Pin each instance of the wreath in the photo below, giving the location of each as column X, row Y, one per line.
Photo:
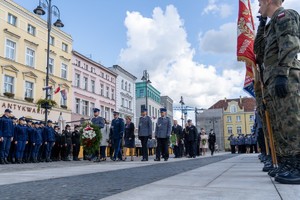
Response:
column 90, row 138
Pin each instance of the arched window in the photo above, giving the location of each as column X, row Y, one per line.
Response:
column 122, row 84
column 129, row 87
column 233, row 109
column 126, row 85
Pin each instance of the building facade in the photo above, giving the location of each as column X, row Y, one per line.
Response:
column 212, row 119
column 238, row 116
column 125, row 92
column 167, row 103
column 153, row 101
column 23, row 60
column 94, row 86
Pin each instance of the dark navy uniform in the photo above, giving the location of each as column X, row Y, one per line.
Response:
column 37, row 141
column 49, row 135
column 178, row 150
column 117, row 128
column 6, row 134
column 76, row 144
column 21, row 139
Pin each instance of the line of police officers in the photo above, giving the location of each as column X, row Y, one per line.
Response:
column 28, row 141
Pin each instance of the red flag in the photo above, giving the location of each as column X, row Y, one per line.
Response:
column 245, row 43
column 57, row 90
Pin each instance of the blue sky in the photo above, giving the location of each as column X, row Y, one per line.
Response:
column 188, row 46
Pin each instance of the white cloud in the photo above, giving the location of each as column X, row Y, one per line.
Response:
column 222, row 40
column 159, row 44
column 224, row 10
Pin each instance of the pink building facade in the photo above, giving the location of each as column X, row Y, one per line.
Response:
column 94, row 86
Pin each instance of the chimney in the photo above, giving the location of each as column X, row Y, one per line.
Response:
column 225, row 100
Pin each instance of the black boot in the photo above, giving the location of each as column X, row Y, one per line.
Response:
column 2, row 161
column 6, row 161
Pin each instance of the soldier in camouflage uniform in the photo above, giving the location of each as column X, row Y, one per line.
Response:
column 282, row 82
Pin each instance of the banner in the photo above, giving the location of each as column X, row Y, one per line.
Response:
column 245, row 43
column 64, row 94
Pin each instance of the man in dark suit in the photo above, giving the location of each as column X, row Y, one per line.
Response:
column 117, row 128
column 177, row 129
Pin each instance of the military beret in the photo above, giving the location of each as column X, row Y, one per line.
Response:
column 163, row 110
column 96, row 110
column 49, row 121
column 8, row 110
column 68, row 125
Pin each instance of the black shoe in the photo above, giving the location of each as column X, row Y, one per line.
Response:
column 2, row 161
column 144, row 160
column 156, row 159
column 166, row 159
column 289, row 177
column 268, row 166
column 279, row 170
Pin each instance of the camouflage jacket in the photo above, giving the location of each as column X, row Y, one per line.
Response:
column 282, row 43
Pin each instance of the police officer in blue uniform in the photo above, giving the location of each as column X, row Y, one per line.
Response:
column 21, row 139
column 162, row 134
column 117, row 128
column 6, row 135
column 37, row 140
column 27, row 151
column 49, row 136
column 145, row 132
column 98, row 120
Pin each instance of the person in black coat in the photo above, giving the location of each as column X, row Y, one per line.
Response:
column 191, row 137
column 212, row 141
column 56, row 150
column 67, row 142
column 177, row 129
column 129, row 138
column 76, row 142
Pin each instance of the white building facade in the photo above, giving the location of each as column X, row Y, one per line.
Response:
column 125, row 92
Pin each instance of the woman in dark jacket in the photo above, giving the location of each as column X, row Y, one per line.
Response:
column 129, row 138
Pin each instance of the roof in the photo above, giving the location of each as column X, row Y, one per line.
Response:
column 119, row 68
column 248, row 103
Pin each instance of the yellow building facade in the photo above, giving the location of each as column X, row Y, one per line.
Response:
column 238, row 116
column 23, row 60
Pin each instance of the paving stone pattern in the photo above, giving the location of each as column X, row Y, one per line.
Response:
column 104, row 184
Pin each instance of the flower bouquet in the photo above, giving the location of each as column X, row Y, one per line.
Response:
column 203, row 142
column 90, row 138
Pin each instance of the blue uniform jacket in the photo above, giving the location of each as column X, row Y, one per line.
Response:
column 117, row 127
column 37, row 136
column 21, row 133
column 49, row 134
column 6, row 127
column 98, row 121
column 30, row 132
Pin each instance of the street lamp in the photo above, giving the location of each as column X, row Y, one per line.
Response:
column 52, row 9
column 182, row 103
column 146, row 79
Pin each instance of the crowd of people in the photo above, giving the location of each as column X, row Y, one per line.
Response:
column 25, row 141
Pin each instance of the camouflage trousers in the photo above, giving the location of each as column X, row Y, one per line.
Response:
column 285, row 116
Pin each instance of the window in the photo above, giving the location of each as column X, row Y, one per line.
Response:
column 112, row 94
column 239, row 130
column 78, row 63
column 85, row 66
column 107, row 92
column 10, row 50
column 251, row 118
column 85, row 83
column 93, row 69
column 51, row 65
column 122, row 84
column 229, row 129
column 28, row 89
column 142, row 93
column 129, row 87
column 233, row 109
column 31, row 29
column 123, row 102
column 92, row 106
column 149, row 109
column 12, row 19
column 101, row 90
column 129, row 105
column 106, row 113
column 238, row 118
column 93, row 86
column 65, row 47
column 126, row 103
column 102, row 74
column 64, row 69
column 229, row 119
column 52, row 40
column 63, row 102
column 8, row 84
column 77, row 80
column 30, row 57
column 126, row 85
column 77, row 105
column 85, row 107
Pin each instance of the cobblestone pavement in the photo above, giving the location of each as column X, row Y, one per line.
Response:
column 103, row 184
